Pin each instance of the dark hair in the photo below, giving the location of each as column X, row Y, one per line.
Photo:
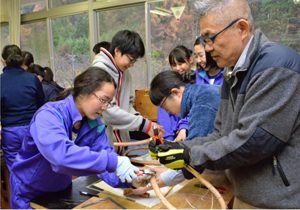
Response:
column 164, row 82
column 210, row 62
column 104, row 44
column 179, row 54
column 48, row 74
column 12, row 55
column 87, row 82
column 128, row 42
column 36, row 69
column 28, row 58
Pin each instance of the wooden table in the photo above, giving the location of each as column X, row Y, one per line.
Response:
column 192, row 195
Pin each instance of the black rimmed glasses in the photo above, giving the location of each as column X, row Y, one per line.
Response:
column 164, row 100
column 131, row 59
column 104, row 102
column 210, row 40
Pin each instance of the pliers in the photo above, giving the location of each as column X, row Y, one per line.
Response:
column 157, row 137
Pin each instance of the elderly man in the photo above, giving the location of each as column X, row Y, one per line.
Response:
column 257, row 129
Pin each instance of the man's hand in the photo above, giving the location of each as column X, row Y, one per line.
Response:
column 174, row 155
column 153, row 146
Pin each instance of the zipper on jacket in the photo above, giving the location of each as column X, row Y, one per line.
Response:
column 277, row 165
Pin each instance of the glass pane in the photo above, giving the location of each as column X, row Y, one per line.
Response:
column 56, row 3
column 35, row 40
column 168, row 31
column 4, row 39
column 29, row 6
column 131, row 18
column 279, row 20
column 71, row 47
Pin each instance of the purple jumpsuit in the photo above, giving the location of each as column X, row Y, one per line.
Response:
column 50, row 156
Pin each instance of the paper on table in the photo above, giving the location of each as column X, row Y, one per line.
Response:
column 148, row 202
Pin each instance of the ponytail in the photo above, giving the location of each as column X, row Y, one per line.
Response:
column 165, row 81
column 63, row 94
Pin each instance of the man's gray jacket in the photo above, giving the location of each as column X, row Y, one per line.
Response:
column 257, row 128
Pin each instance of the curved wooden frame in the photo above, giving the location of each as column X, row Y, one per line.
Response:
column 209, row 186
column 135, row 143
column 153, row 181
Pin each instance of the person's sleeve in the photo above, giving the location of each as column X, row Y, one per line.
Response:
column 102, row 143
column 163, row 119
column 202, row 119
column 122, row 120
column 172, row 177
column 265, row 123
column 64, row 156
column 183, row 123
column 112, row 179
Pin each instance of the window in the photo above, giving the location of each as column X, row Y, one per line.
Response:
column 34, row 39
column 167, row 31
column 71, row 47
column 29, row 6
column 132, row 18
column 56, row 3
column 4, row 39
column 279, row 20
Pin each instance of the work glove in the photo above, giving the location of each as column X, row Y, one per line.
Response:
column 125, row 170
column 174, row 155
column 152, row 149
column 153, row 145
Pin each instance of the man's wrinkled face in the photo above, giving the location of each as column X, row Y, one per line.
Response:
column 227, row 46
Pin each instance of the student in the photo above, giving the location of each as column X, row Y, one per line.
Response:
column 21, row 96
column 97, row 47
column 181, row 61
column 171, row 91
column 50, row 155
column 256, row 135
column 126, row 47
column 49, row 77
column 208, row 71
column 28, row 60
column 51, row 89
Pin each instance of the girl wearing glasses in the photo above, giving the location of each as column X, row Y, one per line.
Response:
column 51, row 155
column 176, row 95
column 172, row 91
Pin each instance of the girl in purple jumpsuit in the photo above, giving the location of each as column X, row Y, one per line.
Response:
column 51, row 155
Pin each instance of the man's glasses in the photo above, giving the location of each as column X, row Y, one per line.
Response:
column 210, row 40
column 131, row 59
column 104, row 102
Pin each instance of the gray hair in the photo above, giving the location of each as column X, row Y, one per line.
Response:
column 223, row 9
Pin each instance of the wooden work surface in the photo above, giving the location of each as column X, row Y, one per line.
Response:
column 192, row 195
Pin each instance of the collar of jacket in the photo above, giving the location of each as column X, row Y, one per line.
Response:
column 258, row 40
